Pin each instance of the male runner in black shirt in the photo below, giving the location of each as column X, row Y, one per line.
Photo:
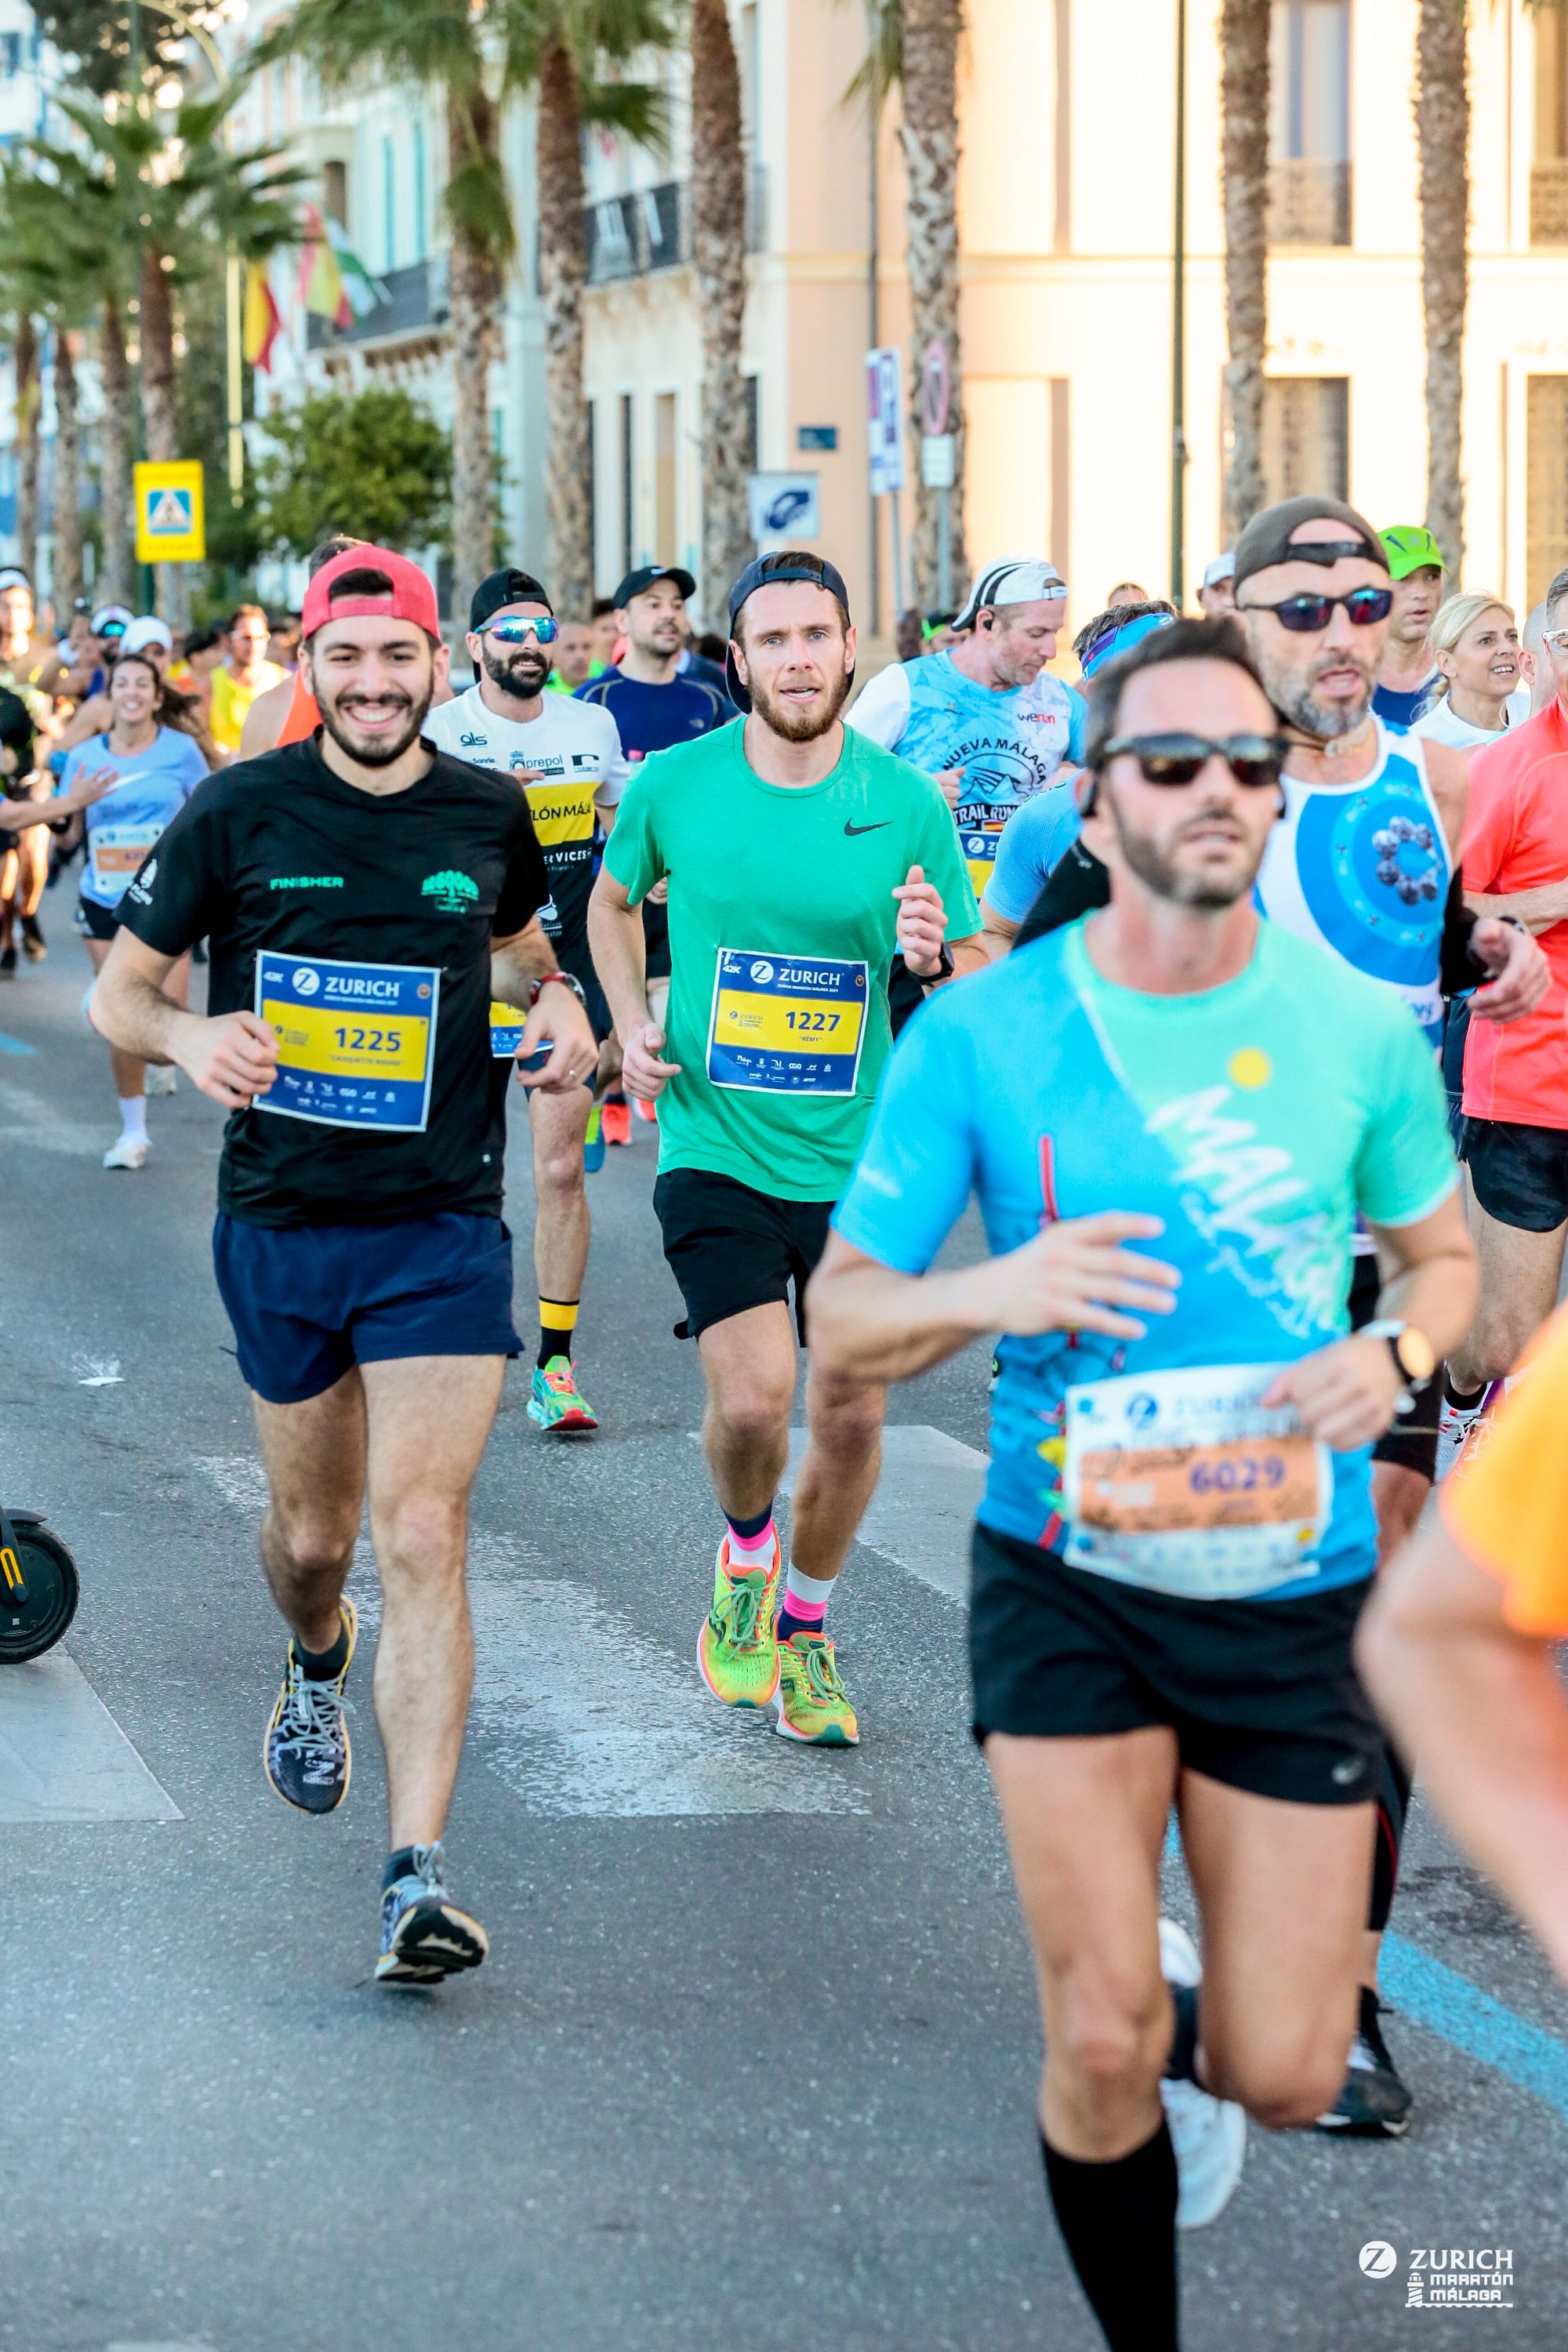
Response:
column 364, row 895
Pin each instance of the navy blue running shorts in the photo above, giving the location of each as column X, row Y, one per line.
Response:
column 309, row 1302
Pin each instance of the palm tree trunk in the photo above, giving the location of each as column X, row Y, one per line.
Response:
column 718, row 255
column 929, row 136
column 1443, row 129
column 1244, row 90
column 563, row 270
column 26, row 354
column 67, row 566
column 160, row 421
column 474, row 288
column 117, row 581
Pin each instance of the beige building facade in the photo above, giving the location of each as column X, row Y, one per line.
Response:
column 1066, row 199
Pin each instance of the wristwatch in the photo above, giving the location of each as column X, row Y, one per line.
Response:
column 546, row 980
column 1415, row 1357
column 944, row 969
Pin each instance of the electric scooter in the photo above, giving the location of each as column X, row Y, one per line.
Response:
column 39, row 1586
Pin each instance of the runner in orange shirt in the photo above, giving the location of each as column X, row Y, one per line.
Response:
column 1456, row 1648
column 1515, row 1136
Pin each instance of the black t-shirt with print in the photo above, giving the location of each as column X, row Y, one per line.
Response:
column 280, row 854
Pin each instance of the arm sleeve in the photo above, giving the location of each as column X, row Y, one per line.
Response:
column 632, row 852
column 175, row 897
column 525, row 886
column 1509, row 1506
column 881, row 709
column 937, row 852
column 1078, row 885
column 917, row 1168
column 1033, row 839
column 1405, row 1166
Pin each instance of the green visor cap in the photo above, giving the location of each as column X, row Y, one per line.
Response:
column 1410, row 546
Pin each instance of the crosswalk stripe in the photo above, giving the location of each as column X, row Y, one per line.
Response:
column 578, row 1711
column 63, row 1757
column 924, row 1506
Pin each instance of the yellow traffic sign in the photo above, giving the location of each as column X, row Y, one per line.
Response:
column 171, row 514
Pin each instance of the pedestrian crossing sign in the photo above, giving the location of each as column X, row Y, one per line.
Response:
column 171, row 520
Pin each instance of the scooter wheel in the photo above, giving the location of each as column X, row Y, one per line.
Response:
column 53, row 1591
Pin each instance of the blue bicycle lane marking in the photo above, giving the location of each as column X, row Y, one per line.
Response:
column 15, row 1045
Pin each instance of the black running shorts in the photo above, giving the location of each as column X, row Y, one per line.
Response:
column 730, row 1248
column 96, row 923
column 1261, row 1695
column 1410, row 1441
column 1518, row 1174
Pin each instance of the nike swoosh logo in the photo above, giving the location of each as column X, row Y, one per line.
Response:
column 853, row 829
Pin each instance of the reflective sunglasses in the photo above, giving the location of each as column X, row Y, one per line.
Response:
column 516, row 632
column 1307, row 613
column 1180, row 758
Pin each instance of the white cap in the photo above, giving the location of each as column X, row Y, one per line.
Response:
column 144, row 633
column 1222, row 568
column 1012, row 580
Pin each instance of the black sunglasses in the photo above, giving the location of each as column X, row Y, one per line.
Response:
column 1307, row 613
column 1179, row 759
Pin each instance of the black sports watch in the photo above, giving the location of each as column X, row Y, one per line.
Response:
column 944, row 969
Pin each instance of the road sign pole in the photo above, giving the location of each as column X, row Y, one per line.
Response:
column 900, row 607
column 945, row 549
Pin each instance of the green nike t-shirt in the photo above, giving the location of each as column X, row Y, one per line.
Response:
column 782, row 929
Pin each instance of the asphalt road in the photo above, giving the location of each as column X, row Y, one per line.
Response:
column 753, row 2061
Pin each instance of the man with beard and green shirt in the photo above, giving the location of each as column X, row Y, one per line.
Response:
column 799, row 855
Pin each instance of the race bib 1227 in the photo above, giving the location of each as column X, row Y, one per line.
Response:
column 786, row 1024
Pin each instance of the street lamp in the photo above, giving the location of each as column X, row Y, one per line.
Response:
column 215, row 58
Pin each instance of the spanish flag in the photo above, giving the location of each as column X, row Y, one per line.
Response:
column 262, row 322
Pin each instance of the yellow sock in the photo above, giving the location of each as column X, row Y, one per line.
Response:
column 557, row 1321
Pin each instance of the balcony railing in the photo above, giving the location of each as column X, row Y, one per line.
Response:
column 1308, row 202
column 650, row 229
column 416, row 300
column 1549, row 201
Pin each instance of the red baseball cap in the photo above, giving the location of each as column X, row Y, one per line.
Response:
column 412, row 597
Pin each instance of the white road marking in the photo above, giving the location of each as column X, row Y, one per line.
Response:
column 63, row 1757
column 578, row 1712
column 923, row 1509
column 583, row 1714
column 27, row 1118
column 91, row 1374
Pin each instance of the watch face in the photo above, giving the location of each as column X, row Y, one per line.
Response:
column 1416, row 1354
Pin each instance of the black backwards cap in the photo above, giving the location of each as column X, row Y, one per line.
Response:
column 508, row 586
column 763, row 574
column 1267, row 539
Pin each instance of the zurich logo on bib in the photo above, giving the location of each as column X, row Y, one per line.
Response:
column 306, row 981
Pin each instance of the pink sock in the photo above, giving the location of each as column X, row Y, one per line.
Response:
column 805, row 1606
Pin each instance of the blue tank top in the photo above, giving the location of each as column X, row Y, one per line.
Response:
column 1363, row 870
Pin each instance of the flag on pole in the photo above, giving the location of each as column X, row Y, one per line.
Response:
column 333, row 281
column 262, row 322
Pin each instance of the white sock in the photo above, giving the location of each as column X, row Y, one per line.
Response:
column 806, row 1597
column 133, row 1115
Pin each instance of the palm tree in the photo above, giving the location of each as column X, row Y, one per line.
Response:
column 475, row 58
column 1443, row 131
column 929, row 34
column 24, row 359
column 719, row 258
column 118, row 576
column 178, row 196
column 1243, row 93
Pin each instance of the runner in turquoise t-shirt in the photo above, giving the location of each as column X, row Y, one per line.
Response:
column 798, row 858
column 1170, row 1144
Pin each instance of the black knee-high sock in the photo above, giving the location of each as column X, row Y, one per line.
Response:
column 1393, row 1785
column 1119, row 2223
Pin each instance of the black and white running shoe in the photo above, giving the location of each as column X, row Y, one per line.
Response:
column 1375, row 2104
column 306, row 1750
column 423, row 1936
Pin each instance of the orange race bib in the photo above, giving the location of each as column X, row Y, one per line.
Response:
column 1185, row 1483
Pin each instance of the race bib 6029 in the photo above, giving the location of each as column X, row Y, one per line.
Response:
column 355, row 1041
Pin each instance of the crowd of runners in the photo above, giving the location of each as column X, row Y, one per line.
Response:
column 1223, row 961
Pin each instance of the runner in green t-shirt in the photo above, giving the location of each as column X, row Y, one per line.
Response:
column 799, row 858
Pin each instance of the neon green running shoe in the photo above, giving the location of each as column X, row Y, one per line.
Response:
column 557, row 1404
column 812, row 1703
column 738, row 1650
